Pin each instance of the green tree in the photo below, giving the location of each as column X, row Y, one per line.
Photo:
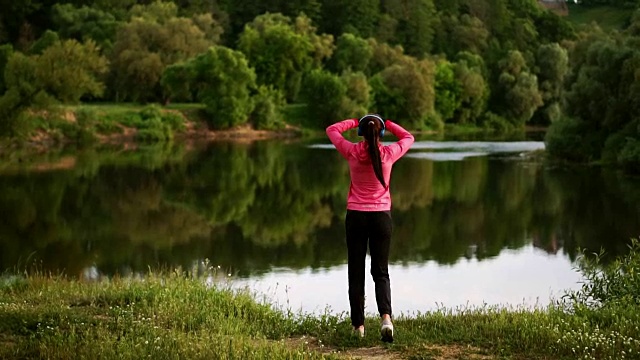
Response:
column 518, row 94
column 385, row 55
column 222, row 80
column 552, row 68
column 470, row 73
column 47, row 39
column 6, row 51
column 358, row 17
column 268, row 109
column 352, row 53
column 405, row 92
column 83, row 23
column 242, row 12
column 324, row 94
column 147, row 44
column 69, row 70
column 464, row 33
column 65, row 71
column 279, row 54
column 415, row 24
column 358, row 96
column 448, row 90
column 601, row 104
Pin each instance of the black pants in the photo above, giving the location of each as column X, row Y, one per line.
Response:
column 371, row 228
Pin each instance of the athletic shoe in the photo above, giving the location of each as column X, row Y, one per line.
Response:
column 358, row 331
column 387, row 330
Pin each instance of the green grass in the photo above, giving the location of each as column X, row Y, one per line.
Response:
column 607, row 17
column 177, row 315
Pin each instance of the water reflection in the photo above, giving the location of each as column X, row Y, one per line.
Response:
column 252, row 208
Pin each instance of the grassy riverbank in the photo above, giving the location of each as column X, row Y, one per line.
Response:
column 103, row 123
column 89, row 124
column 178, row 316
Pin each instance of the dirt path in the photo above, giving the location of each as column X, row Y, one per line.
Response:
column 422, row 351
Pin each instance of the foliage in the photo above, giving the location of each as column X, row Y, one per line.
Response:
column 65, row 71
column 461, row 33
column 552, row 68
column 278, row 51
column 629, row 155
column 153, row 39
column 84, row 23
column 47, row 39
column 385, row 55
column 6, row 51
column 518, row 95
column 324, row 94
column 358, row 97
column 602, row 98
column 405, row 92
column 268, row 109
column 448, row 91
column 357, row 17
column 414, row 27
column 474, row 88
column 352, row 53
column 567, row 139
column 222, row 80
column 607, row 285
column 69, row 70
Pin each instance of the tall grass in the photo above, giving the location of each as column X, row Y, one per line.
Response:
column 173, row 316
column 188, row 314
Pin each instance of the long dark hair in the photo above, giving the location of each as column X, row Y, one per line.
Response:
column 372, row 136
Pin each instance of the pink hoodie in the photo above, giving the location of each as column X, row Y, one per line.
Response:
column 365, row 192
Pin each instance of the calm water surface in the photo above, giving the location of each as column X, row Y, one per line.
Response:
column 475, row 222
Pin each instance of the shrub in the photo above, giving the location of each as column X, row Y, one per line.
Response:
column 496, row 122
column 152, row 111
column 629, row 156
column 174, row 120
column 565, row 140
column 267, row 113
column 324, row 94
column 433, row 121
column 610, row 284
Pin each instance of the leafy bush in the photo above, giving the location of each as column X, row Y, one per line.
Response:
column 405, row 92
column 496, row 122
column 86, row 117
column 152, row 111
column 324, row 93
column 152, row 135
column 223, row 81
column 433, row 121
column 174, row 120
column 629, row 156
column 611, row 284
column 267, row 113
column 565, row 140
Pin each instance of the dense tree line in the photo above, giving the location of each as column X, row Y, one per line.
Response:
column 424, row 62
column 499, row 64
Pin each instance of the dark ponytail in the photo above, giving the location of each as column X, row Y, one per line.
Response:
column 372, row 135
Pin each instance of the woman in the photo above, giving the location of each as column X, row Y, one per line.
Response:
column 368, row 220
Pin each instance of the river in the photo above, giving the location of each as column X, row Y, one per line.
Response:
column 475, row 222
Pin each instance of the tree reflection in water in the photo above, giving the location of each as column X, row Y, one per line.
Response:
column 253, row 207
